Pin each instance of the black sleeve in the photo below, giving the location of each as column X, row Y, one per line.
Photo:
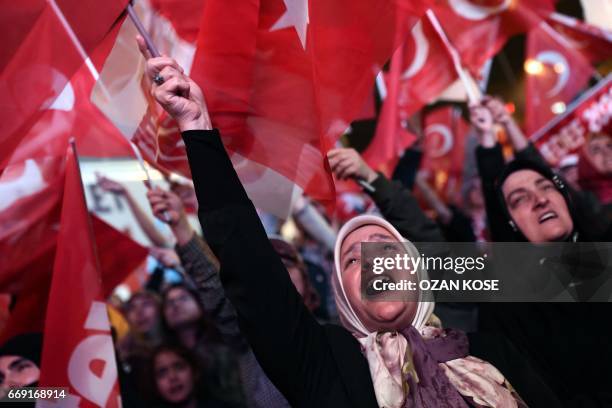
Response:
column 407, row 167
column 531, row 153
column 459, row 229
column 288, row 342
column 399, row 206
column 490, row 165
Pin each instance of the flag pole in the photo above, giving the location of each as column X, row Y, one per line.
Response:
column 471, row 94
column 148, row 182
column 142, row 31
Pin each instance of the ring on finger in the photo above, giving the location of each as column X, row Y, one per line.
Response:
column 158, row 79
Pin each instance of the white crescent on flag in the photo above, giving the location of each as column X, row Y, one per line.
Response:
column 447, row 139
column 563, row 74
column 471, row 11
column 30, row 182
column 421, row 51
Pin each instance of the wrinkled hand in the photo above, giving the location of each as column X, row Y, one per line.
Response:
column 165, row 256
column 498, row 109
column 109, row 185
column 347, row 163
column 179, row 95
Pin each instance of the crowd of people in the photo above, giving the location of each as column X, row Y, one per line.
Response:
column 251, row 319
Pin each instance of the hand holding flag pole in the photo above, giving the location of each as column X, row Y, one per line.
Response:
column 155, row 53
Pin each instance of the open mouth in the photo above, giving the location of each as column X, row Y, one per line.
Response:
column 547, row 216
column 382, row 280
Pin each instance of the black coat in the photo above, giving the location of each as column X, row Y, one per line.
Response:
column 567, row 343
column 313, row 365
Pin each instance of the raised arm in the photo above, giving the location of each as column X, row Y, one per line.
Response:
column 490, row 161
column 288, row 342
column 396, row 203
column 145, row 223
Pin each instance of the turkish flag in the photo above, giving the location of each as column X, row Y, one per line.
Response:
column 119, row 257
column 78, row 350
column 559, row 72
column 284, row 78
column 444, row 150
column 45, row 43
column 593, row 42
column 391, row 137
column 427, row 69
column 479, row 29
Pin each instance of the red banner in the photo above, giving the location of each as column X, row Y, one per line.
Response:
column 567, row 133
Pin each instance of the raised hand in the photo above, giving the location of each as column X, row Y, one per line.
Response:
column 347, row 163
column 482, row 120
column 168, row 207
column 109, row 185
column 498, row 109
column 178, row 94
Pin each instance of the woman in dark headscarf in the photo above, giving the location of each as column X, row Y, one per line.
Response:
column 559, row 338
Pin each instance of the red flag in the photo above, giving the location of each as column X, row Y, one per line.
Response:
column 47, row 42
column 283, row 79
column 593, row 42
column 556, row 73
column 119, row 257
column 567, row 133
column 444, row 149
column 391, row 137
column 78, row 350
column 479, row 29
column 428, row 69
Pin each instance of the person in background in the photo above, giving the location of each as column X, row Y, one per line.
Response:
column 595, row 170
column 526, row 201
column 188, row 324
column 153, row 234
column 20, row 362
column 297, row 271
column 491, row 164
column 174, row 379
column 202, row 268
column 143, row 313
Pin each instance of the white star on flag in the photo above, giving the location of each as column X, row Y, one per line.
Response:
column 296, row 16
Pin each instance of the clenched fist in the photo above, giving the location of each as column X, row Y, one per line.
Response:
column 178, row 94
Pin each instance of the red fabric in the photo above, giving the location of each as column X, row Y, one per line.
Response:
column 444, row 150
column 593, row 42
column 77, row 331
column 591, row 179
column 570, row 133
column 565, row 73
column 479, row 29
column 40, row 57
column 428, row 69
column 391, row 137
column 282, row 89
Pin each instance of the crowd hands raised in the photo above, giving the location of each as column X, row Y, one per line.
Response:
column 243, row 320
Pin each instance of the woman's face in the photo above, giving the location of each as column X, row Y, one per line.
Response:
column 375, row 315
column 142, row 314
column 599, row 152
column 17, row 371
column 174, row 377
column 181, row 308
column 537, row 207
